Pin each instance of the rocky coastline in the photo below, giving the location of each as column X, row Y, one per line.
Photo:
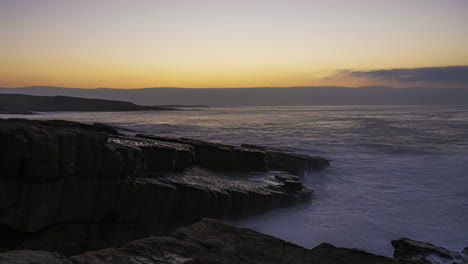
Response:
column 85, row 192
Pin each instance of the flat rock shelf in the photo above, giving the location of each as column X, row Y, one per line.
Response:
column 71, row 187
column 80, row 193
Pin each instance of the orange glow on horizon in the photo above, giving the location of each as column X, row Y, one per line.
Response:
column 216, row 44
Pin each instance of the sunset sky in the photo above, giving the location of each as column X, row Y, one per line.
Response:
column 243, row 43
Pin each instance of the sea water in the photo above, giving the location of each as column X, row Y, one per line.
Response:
column 396, row 171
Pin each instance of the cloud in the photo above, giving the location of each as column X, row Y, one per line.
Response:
column 449, row 74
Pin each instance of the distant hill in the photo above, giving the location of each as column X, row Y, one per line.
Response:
column 323, row 95
column 24, row 104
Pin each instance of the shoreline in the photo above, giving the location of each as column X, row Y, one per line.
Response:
column 69, row 172
column 59, row 172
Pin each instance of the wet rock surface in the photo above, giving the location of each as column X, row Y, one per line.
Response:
column 212, row 241
column 428, row 253
column 248, row 157
column 71, row 188
column 89, row 181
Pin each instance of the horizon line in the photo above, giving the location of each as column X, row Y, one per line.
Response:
column 250, row 87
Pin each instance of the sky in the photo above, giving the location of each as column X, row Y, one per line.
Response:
column 243, row 43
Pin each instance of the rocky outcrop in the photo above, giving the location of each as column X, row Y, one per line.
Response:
column 248, row 157
column 62, row 181
column 295, row 163
column 428, row 253
column 211, row 242
column 327, row 253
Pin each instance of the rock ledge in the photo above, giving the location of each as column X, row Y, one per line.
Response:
column 71, row 187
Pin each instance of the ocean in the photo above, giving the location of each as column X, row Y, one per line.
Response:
column 396, row 171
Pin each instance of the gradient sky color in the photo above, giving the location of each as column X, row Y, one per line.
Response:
column 217, row 43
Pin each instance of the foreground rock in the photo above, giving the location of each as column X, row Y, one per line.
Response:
column 71, row 187
column 208, row 242
column 32, row 257
column 213, row 241
column 412, row 249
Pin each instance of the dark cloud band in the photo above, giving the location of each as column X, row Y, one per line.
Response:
column 449, row 74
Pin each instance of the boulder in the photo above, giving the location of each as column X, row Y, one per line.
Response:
column 428, row 253
column 330, row 254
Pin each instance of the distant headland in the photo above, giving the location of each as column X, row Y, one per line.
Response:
column 262, row 96
column 28, row 104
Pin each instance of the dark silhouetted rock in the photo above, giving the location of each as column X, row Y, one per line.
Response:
column 412, row 249
column 219, row 156
column 327, row 253
column 248, row 157
column 212, row 241
column 32, row 257
column 295, row 163
column 58, row 173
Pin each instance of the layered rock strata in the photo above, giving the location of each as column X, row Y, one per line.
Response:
column 64, row 182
